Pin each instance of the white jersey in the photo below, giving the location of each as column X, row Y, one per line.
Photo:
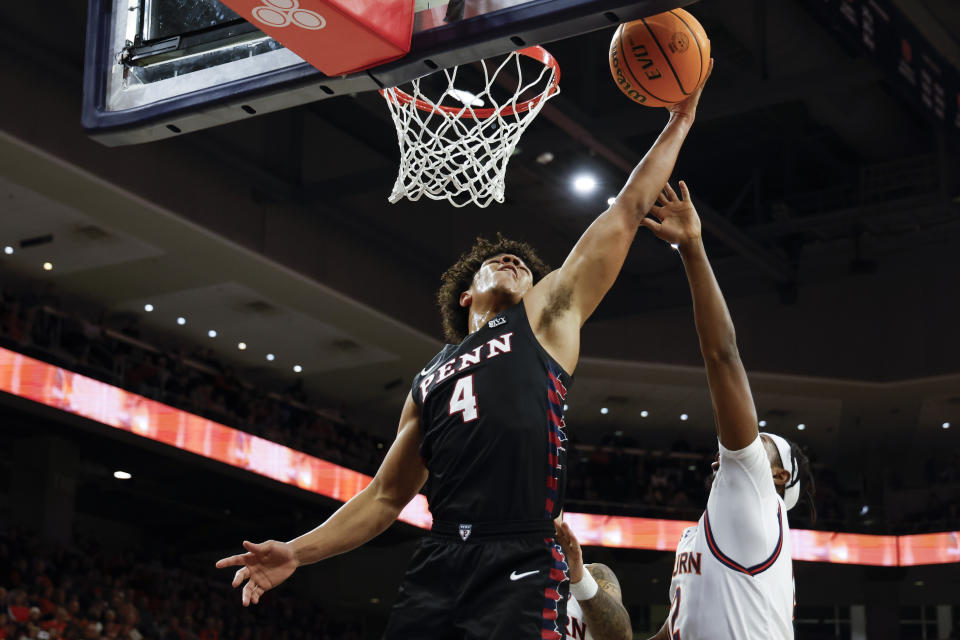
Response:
column 733, row 574
column 576, row 624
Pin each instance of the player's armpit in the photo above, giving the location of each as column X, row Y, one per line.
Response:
column 604, row 613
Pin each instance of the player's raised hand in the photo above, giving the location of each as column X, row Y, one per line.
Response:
column 571, row 549
column 676, row 220
column 688, row 107
column 262, row 567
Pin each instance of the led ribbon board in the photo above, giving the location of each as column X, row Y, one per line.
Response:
column 71, row 392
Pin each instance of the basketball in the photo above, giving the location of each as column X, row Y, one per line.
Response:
column 660, row 60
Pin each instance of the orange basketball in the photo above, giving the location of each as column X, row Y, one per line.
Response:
column 660, row 60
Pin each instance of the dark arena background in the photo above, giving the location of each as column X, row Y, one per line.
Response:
column 180, row 277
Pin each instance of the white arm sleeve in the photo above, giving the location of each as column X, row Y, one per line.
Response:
column 743, row 502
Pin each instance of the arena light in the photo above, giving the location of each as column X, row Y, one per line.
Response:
column 8, row 250
column 148, row 307
column 604, row 410
column 945, row 425
column 297, row 368
column 763, row 423
column 271, row 357
column 545, row 158
column 122, row 475
column 801, row 427
column 48, row 266
column 242, row 346
column 181, row 321
column 212, row 333
column 644, row 413
column 584, row 183
column 684, row 416
column 864, row 510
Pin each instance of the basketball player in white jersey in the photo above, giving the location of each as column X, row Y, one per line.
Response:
column 595, row 608
column 733, row 574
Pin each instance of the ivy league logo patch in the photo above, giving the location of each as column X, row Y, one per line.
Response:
column 465, row 531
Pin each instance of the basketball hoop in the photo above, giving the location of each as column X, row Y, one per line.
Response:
column 460, row 153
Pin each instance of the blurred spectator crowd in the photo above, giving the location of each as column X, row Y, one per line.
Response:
column 83, row 592
column 613, row 476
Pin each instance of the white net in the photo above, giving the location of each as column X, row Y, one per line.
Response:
column 460, row 153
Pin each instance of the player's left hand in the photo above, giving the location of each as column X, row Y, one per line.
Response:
column 676, row 220
column 571, row 549
column 688, row 108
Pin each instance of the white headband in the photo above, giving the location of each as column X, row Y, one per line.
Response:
column 791, row 491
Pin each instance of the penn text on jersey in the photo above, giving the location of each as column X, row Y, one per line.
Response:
column 491, row 349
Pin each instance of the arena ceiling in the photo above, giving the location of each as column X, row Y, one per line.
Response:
column 831, row 205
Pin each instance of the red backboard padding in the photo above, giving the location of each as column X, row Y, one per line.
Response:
column 335, row 36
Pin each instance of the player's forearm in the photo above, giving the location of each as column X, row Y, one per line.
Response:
column 606, row 617
column 718, row 339
column 648, row 178
column 358, row 521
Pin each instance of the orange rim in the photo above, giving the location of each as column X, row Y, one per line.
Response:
column 538, row 53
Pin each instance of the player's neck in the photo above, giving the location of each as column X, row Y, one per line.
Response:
column 483, row 312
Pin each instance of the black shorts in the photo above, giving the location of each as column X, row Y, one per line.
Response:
column 488, row 587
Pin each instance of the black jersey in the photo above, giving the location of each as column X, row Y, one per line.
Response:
column 492, row 420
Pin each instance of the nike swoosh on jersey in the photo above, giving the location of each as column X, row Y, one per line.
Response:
column 519, row 576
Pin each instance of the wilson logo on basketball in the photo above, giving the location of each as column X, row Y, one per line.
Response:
column 283, row 13
column 622, row 81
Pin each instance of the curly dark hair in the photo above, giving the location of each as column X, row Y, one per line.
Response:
column 459, row 277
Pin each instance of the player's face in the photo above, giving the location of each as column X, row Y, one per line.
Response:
column 503, row 274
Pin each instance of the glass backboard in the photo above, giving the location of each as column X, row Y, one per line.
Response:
column 160, row 68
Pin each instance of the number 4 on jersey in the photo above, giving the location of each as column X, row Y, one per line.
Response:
column 463, row 401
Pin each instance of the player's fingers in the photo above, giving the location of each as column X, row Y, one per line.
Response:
column 256, row 595
column 232, row 561
column 573, row 538
column 671, row 194
column 651, row 224
column 251, row 547
column 662, row 199
column 246, row 593
column 239, row 577
column 684, row 191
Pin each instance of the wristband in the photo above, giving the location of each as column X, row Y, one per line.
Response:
column 586, row 588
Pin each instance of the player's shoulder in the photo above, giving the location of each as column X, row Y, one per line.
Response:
column 437, row 359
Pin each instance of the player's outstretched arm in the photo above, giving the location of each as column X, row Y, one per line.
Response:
column 577, row 287
column 366, row 515
column 604, row 613
column 735, row 413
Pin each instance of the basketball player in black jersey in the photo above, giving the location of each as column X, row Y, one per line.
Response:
column 482, row 433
